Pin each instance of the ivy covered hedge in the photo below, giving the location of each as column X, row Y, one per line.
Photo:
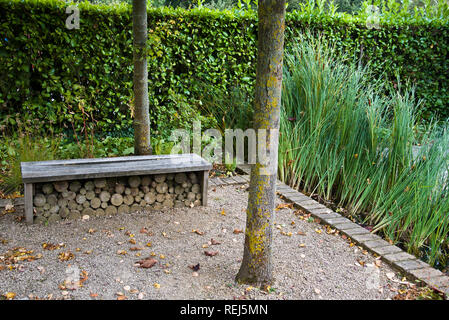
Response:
column 50, row 72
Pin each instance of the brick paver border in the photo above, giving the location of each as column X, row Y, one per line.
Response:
column 393, row 255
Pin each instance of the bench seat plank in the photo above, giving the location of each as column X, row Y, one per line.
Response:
column 59, row 170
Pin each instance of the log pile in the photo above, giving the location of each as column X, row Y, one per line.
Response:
column 109, row 196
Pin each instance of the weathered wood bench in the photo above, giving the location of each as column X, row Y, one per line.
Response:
column 148, row 179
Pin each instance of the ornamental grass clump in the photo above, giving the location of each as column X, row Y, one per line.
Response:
column 352, row 140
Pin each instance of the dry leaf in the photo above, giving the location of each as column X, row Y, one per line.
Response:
column 65, row 256
column 144, row 230
column 195, row 267
column 214, row 242
column 237, row 231
column 210, row 253
column 147, row 263
column 10, row 295
column 198, row 232
column 284, row 205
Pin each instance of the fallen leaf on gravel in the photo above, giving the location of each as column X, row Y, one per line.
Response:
column 195, row 267
column 157, row 285
column 126, row 288
column 94, row 295
column 135, row 249
column 362, row 263
column 162, row 256
column 121, row 298
column 237, row 231
column 92, row 231
column 84, row 276
column 318, row 231
column 284, row 205
column 88, row 252
column 377, row 262
column 143, row 230
column 66, row 256
column 301, row 233
column 147, row 263
column 204, row 246
column 214, row 242
column 302, row 245
column 10, row 295
column 50, row 246
column 149, row 244
column 41, row 269
column 210, row 253
column 122, row 252
column 223, row 213
column 132, row 241
column 198, row 232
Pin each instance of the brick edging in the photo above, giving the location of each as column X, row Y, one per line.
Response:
column 392, row 255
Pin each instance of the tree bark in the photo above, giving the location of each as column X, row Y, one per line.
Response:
column 142, row 143
column 256, row 267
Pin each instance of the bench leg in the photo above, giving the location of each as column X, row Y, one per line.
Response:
column 29, row 203
column 204, row 184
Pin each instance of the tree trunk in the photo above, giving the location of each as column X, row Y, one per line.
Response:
column 256, row 268
column 142, row 143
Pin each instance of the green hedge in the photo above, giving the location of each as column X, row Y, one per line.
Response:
column 49, row 72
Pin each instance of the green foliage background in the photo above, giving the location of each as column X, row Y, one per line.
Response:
column 48, row 71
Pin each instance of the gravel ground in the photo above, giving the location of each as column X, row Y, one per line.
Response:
column 307, row 264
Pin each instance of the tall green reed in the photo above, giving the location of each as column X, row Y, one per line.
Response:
column 349, row 138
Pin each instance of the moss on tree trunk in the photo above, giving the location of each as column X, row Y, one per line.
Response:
column 256, row 265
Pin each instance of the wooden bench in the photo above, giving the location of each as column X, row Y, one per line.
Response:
column 62, row 174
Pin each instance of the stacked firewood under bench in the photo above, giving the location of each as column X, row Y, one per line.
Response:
column 70, row 189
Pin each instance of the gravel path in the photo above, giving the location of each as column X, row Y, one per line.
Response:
column 309, row 263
